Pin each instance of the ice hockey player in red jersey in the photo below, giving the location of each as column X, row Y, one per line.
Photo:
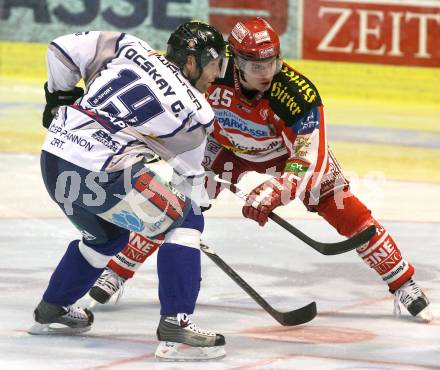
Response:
column 270, row 119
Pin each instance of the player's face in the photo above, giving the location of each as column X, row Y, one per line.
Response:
column 210, row 72
column 258, row 75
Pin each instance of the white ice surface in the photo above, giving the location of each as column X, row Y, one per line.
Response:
column 354, row 328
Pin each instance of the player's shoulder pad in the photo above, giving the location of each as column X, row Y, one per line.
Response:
column 291, row 94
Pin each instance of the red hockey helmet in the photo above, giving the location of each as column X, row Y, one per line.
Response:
column 254, row 39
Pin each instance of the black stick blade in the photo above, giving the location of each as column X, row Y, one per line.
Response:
column 328, row 249
column 296, row 317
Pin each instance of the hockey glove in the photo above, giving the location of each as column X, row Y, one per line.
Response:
column 56, row 99
column 267, row 196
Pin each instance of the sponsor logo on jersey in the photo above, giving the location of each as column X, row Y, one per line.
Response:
column 286, row 97
column 333, row 179
column 264, row 113
column 128, row 220
column 308, row 92
column 213, row 147
column 230, row 120
column 206, row 161
column 301, row 145
column 309, row 123
column 297, row 168
column 239, row 148
column 107, row 140
column 65, row 135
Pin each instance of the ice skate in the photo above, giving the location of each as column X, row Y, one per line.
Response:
column 106, row 286
column 54, row 319
column 414, row 300
column 181, row 340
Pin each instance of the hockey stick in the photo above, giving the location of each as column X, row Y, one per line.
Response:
column 328, row 249
column 291, row 318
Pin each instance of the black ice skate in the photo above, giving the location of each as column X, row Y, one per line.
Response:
column 108, row 284
column 54, row 319
column 181, row 340
column 414, row 300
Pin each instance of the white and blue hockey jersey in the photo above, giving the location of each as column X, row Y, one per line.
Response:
column 136, row 102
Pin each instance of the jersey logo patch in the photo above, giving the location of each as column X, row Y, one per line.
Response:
column 231, row 121
column 128, row 221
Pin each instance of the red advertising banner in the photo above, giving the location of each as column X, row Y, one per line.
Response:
column 220, row 13
column 372, row 31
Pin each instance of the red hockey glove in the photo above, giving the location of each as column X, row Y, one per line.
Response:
column 268, row 196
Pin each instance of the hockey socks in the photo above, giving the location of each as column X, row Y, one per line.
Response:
column 79, row 268
column 179, row 272
column 382, row 254
column 72, row 278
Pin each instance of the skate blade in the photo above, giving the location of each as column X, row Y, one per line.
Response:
column 425, row 315
column 54, row 329
column 171, row 351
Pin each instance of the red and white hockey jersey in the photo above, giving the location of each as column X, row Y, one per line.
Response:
column 287, row 118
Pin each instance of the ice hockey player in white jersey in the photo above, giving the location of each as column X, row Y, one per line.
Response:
column 138, row 104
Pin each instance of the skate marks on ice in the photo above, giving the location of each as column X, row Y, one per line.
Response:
column 354, row 328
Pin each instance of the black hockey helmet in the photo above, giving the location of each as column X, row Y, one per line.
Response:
column 198, row 39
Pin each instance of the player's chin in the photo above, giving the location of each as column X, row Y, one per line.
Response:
column 264, row 86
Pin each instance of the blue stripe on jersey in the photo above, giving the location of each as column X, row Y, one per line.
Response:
column 63, row 52
column 83, row 125
column 184, row 122
column 119, row 40
column 119, row 53
column 192, row 128
column 198, row 124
